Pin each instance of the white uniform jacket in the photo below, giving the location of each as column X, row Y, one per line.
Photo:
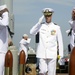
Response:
column 4, row 21
column 72, row 24
column 72, row 39
column 24, row 45
column 49, row 35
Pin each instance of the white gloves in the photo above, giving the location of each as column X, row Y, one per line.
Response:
column 40, row 20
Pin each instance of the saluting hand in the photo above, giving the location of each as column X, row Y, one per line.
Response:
column 41, row 19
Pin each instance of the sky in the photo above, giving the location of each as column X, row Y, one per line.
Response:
column 28, row 12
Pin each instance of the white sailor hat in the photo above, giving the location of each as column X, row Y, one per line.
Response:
column 48, row 11
column 25, row 35
column 3, row 7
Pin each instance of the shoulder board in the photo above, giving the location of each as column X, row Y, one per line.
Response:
column 55, row 24
column 43, row 23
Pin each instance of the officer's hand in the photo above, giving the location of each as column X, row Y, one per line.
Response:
column 40, row 20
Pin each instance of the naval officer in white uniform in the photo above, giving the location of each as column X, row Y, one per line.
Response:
column 4, row 21
column 49, row 38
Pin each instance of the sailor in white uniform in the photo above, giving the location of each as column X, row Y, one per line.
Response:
column 4, row 21
column 24, row 44
column 72, row 30
column 49, row 38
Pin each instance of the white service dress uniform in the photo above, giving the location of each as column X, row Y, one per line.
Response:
column 49, row 35
column 72, row 40
column 24, row 45
column 4, row 21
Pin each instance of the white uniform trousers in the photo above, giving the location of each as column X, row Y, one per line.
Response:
column 2, row 61
column 47, row 65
